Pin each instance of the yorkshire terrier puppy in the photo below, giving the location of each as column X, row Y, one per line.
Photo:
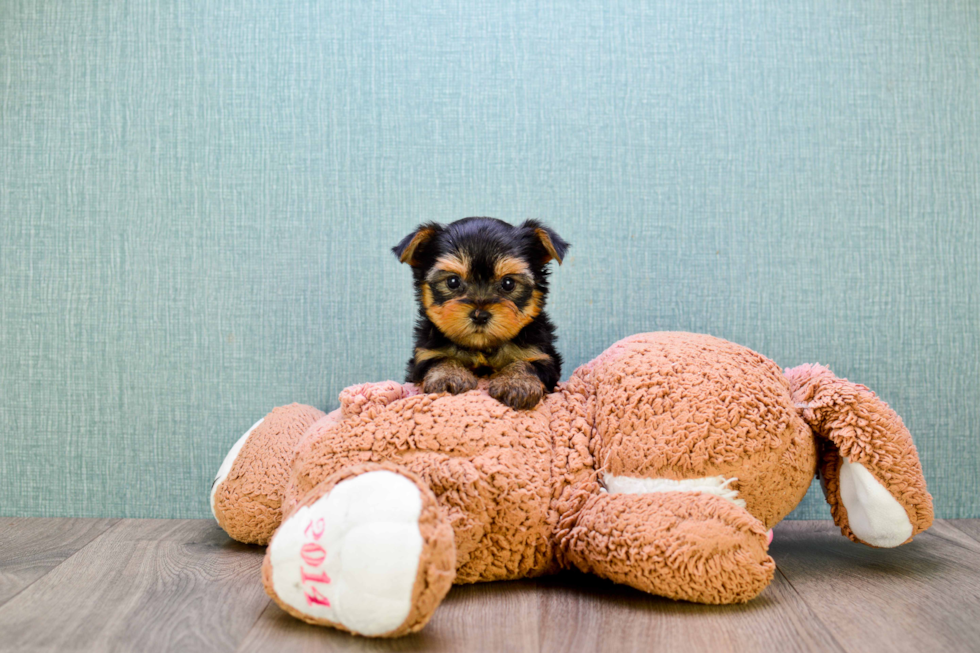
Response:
column 481, row 285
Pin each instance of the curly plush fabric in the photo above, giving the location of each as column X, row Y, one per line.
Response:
column 487, row 464
column 247, row 503
column 690, row 546
column 682, row 406
column 436, row 564
column 661, row 464
column 853, row 423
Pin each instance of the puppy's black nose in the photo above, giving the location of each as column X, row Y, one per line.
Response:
column 480, row 316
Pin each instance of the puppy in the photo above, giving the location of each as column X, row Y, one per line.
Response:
column 481, row 285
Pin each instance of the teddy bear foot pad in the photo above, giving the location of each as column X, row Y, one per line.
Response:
column 874, row 515
column 351, row 557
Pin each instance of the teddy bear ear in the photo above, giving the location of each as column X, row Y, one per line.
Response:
column 551, row 246
column 410, row 247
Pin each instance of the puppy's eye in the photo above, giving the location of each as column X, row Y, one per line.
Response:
column 508, row 284
column 452, row 282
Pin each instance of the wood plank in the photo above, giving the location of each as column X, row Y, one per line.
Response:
column 969, row 526
column 585, row 613
column 569, row 613
column 31, row 547
column 917, row 597
column 483, row 617
column 144, row 585
column 183, row 585
column 953, row 533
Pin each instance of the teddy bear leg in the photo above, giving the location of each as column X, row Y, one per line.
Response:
column 869, row 468
column 368, row 550
column 247, row 492
column 682, row 545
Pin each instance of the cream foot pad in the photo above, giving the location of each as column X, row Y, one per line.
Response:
column 873, row 513
column 351, row 557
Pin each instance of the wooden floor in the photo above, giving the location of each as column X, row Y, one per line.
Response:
column 159, row 585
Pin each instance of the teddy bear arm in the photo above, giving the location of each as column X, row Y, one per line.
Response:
column 869, row 467
column 682, row 545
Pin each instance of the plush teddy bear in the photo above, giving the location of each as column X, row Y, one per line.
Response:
column 661, row 464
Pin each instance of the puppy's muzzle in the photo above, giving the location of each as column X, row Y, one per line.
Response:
column 480, row 316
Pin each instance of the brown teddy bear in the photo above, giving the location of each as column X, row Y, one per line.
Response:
column 661, row 464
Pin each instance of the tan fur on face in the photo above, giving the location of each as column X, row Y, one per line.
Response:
column 453, row 316
column 455, row 263
column 511, row 265
column 506, row 322
column 453, row 319
column 533, row 308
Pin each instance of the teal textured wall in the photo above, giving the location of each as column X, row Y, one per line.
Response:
column 197, row 201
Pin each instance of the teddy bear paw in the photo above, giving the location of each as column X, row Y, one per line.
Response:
column 873, row 514
column 351, row 558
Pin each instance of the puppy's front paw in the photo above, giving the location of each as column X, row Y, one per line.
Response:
column 520, row 392
column 451, row 378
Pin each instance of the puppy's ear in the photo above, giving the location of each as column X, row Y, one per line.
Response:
column 550, row 244
column 409, row 248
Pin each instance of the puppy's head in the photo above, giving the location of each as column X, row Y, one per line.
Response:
column 481, row 280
